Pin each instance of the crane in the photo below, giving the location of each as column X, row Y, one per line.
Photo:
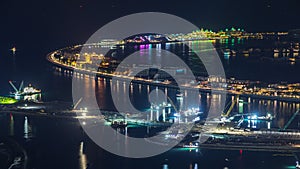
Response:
column 17, row 91
column 291, row 120
column 77, row 103
column 231, row 107
column 173, row 105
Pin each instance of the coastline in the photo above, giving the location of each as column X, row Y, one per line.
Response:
column 110, row 76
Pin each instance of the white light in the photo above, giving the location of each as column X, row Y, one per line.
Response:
column 197, row 119
column 254, row 116
column 176, row 114
column 196, row 165
column 269, row 125
column 83, row 114
column 84, row 123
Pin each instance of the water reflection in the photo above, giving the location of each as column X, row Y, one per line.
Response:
column 139, row 97
column 82, row 157
column 27, row 129
column 27, row 126
column 11, row 125
column 196, row 166
column 87, row 153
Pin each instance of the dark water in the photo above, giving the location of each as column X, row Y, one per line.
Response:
column 62, row 144
column 254, row 59
column 261, row 63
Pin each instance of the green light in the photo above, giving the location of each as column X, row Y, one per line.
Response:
column 239, row 40
column 185, row 149
column 7, row 100
column 132, row 126
column 232, row 41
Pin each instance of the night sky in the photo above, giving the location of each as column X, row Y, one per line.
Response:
column 58, row 23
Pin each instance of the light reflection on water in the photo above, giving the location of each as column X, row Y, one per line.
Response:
column 82, row 157
column 11, row 125
column 26, row 128
column 139, row 97
column 178, row 158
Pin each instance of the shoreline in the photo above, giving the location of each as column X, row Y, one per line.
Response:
column 136, row 81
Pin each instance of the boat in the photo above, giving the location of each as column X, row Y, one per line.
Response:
column 226, row 52
column 179, row 96
column 276, row 51
column 117, row 124
column 233, row 53
column 194, row 144
column 268, row 117
column 246, row 53
column 49, row 107
column 28, row 93
column 295, row 50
